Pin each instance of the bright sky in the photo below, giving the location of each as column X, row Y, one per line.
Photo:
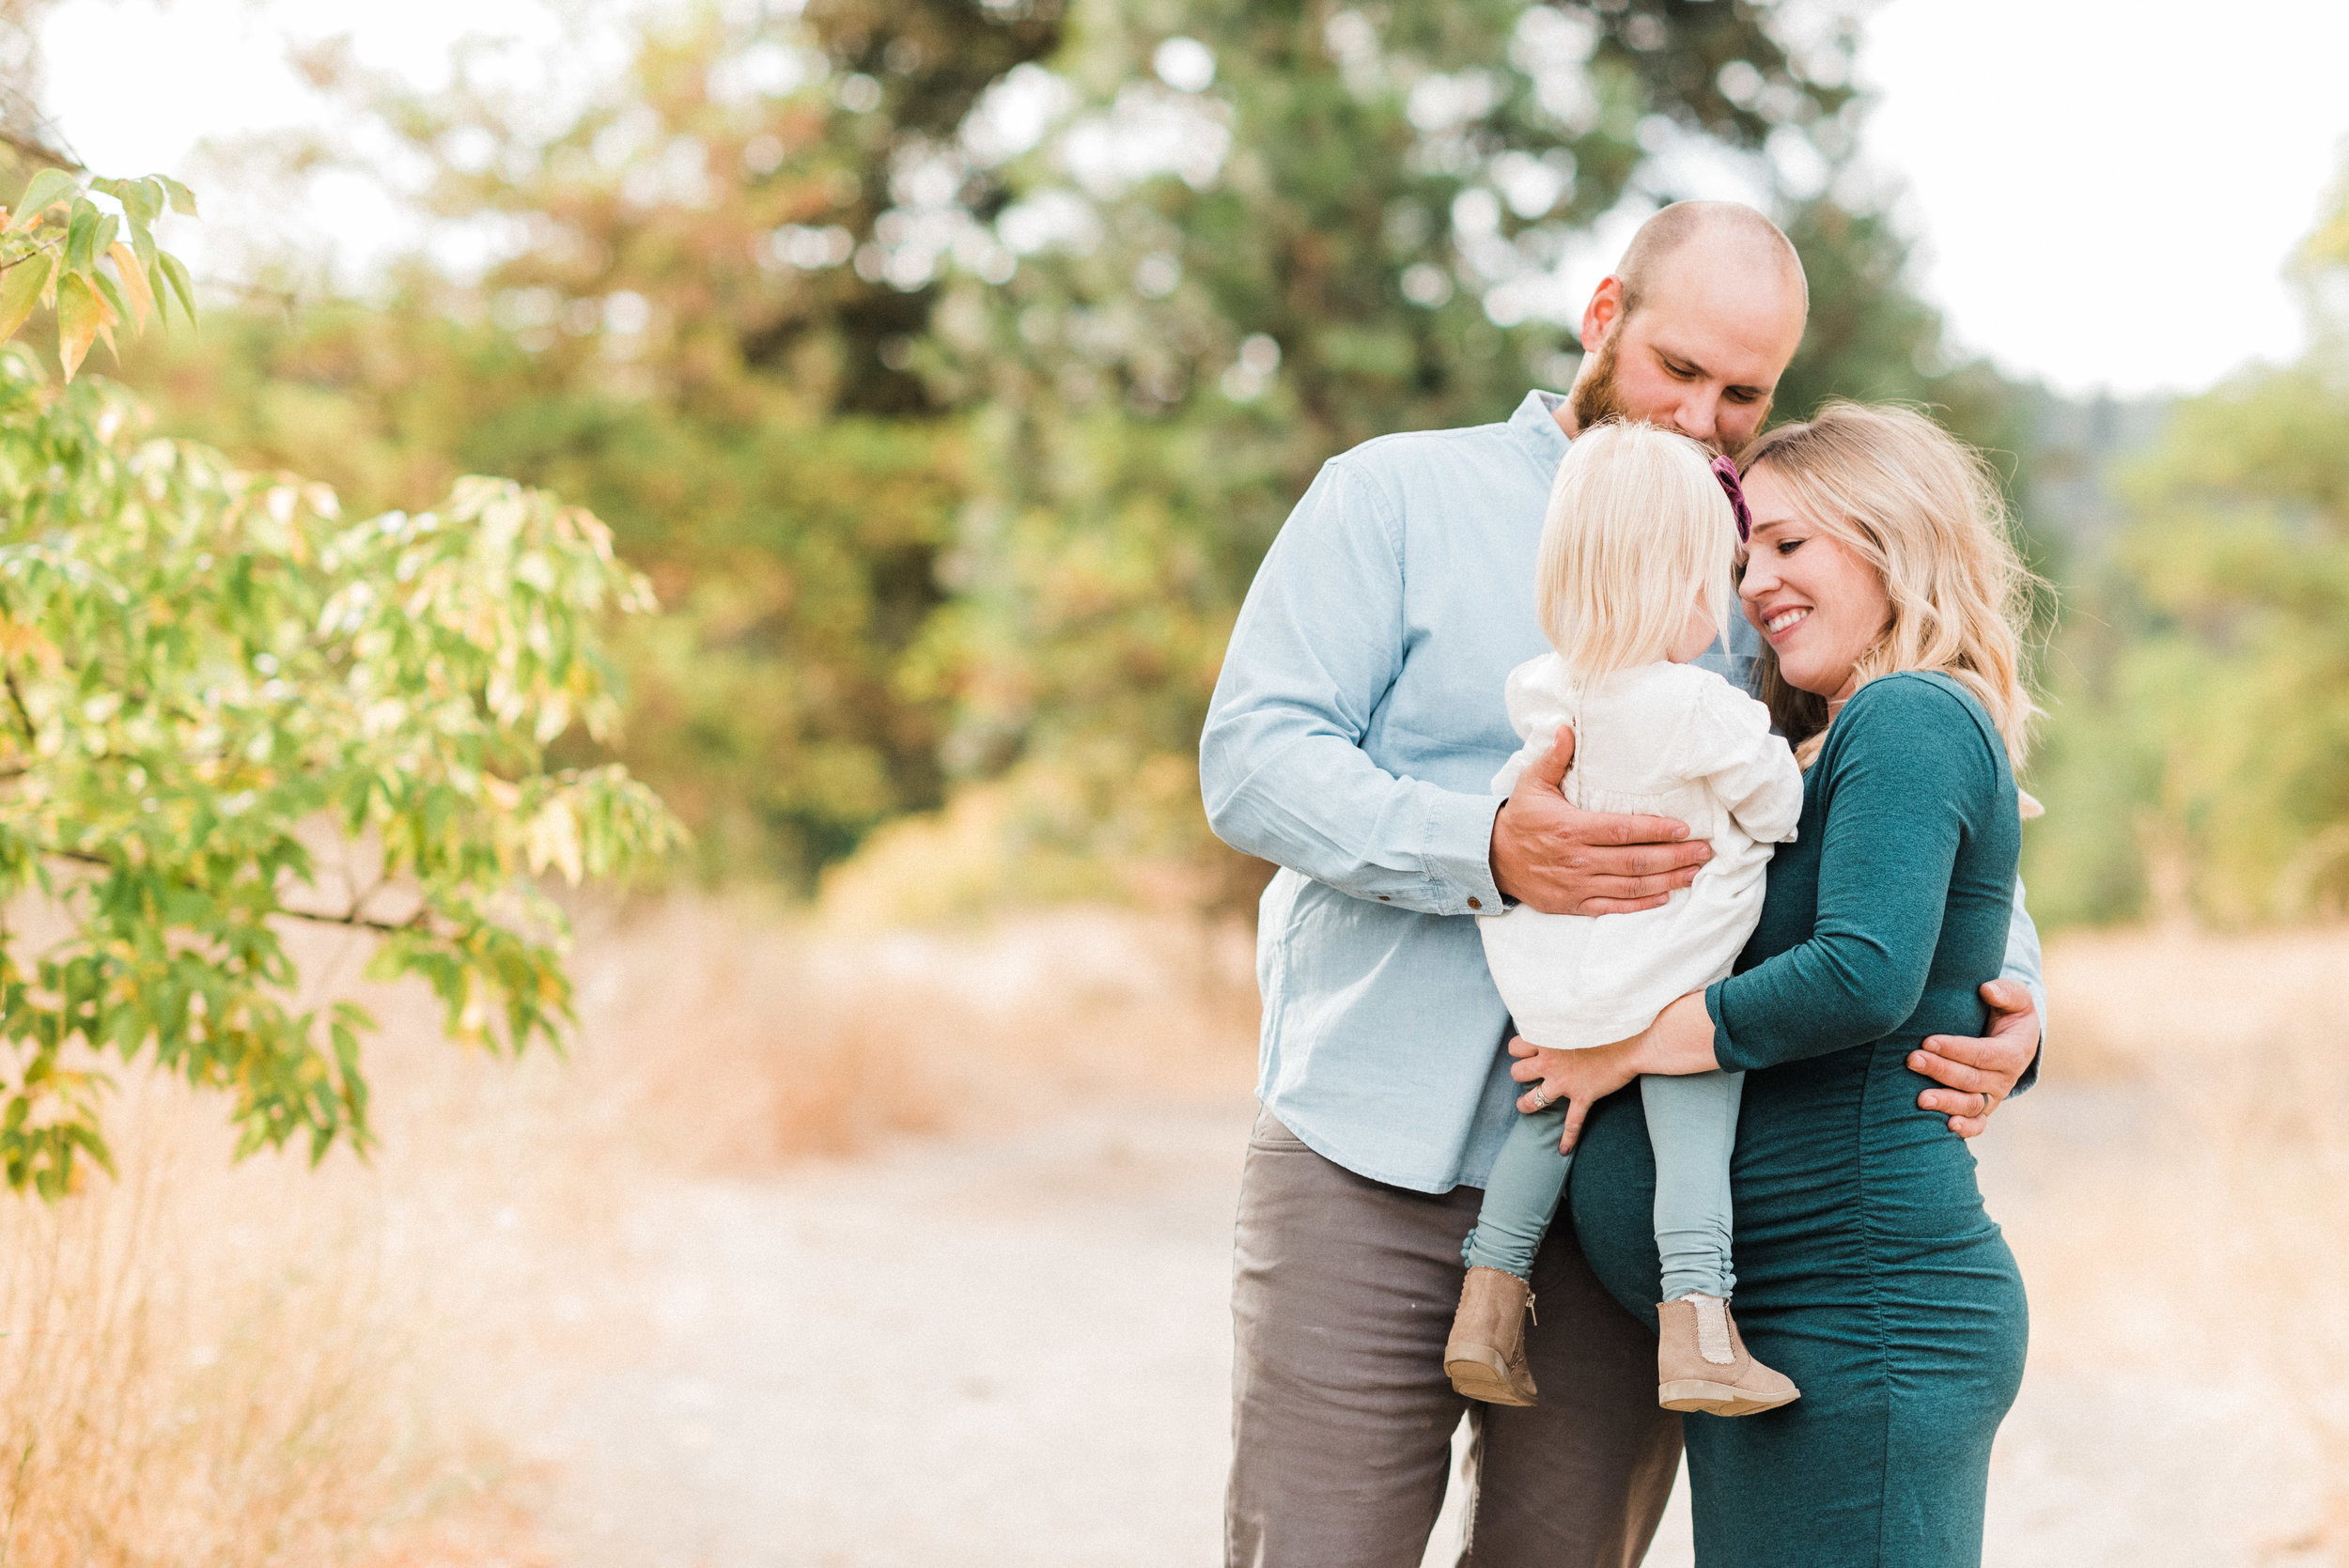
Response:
column 2104, row 193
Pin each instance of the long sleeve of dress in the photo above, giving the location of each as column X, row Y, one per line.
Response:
column 1281, row 767
column 1907, row 775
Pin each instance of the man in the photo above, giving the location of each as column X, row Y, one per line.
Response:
column 1354, row 731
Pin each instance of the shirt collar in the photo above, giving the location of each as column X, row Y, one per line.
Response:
column 1535, row 427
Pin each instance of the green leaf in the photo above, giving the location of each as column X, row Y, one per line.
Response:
column 158, row 285
column 108, row 289
column 182, row 200
column 141, row 199
column 46, row 188
column 78, row 319
column 81, row 238
column 175, row 273
column 21, row 288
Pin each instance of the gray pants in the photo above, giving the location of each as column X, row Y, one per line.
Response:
column 1342, row 1296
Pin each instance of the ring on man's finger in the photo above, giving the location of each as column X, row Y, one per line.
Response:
column 1985, row 1100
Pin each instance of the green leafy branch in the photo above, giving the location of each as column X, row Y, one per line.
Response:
column 96, row 268
column 208, row 677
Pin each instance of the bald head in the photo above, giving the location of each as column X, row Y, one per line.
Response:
column 1712, row 237
column 1694, row 327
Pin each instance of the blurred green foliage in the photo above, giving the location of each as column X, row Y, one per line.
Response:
column 1256, row 234
column 2198, row 758
column 949, row 366
column 676, row 346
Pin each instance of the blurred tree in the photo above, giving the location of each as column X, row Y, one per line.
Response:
column 31, row 141
column 1253, row 233
column 2200, row 753
column 694, row 332
column 949, row 366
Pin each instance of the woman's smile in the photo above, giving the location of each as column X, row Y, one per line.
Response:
column 1817, row 601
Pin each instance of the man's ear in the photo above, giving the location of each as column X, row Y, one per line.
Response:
column 1603, row 312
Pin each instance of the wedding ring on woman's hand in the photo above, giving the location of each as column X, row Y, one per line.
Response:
column 1541, row 1101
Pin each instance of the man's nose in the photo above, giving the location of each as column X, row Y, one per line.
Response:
column 1700, row 416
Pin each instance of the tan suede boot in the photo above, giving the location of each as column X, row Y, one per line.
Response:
column 1702, row 1364
column 1486, row 1355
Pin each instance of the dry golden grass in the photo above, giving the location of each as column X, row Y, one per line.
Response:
column 738, row 1042
column 2205, row 1232
column 207, row 1366
column 266, row 1365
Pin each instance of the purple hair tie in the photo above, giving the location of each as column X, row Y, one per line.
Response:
column 1725, row 470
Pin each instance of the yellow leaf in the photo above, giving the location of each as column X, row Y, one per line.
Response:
column 79, row 314
column 17, row 639
column 551, row 838
column 21, row 288
column 133, row 282
column 107, row 319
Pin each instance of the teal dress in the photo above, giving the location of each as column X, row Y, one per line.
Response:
column 1867, row 1271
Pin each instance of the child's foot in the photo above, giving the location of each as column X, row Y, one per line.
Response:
column 1486, row 1355
column 1702, row 1364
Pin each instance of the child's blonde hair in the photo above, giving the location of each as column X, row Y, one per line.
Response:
column 1639, row 530
column 1924, row 510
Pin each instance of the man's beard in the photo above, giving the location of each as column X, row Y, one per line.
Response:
column 1596, row 399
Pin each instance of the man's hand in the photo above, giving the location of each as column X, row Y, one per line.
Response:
column 1565, row 862
column 1973, row 1068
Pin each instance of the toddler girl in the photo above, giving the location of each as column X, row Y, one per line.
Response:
column 1634, row 582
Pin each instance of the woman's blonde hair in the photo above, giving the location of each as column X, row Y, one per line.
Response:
column 1638, row 530
column 1925, row 509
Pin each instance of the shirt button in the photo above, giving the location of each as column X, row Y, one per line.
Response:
column 1384, row 899
column 1474, row 905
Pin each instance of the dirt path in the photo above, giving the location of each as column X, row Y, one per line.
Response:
column 1012, row 1351
column 992, row 1351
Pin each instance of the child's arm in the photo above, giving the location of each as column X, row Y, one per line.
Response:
column 1535, row 713
column 1749, row 770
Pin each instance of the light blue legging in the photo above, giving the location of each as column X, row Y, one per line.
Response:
column 1691, row 1121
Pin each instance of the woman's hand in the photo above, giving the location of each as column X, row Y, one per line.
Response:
column 1576, row 1079
column 1679, row 1041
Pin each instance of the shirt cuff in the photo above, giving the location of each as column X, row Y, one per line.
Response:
column 1458, row 852
column 2039, row 1000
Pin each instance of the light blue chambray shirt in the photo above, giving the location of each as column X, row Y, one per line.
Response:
column 1352, row 740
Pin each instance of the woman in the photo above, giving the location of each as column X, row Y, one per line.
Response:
column 1880, row 576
